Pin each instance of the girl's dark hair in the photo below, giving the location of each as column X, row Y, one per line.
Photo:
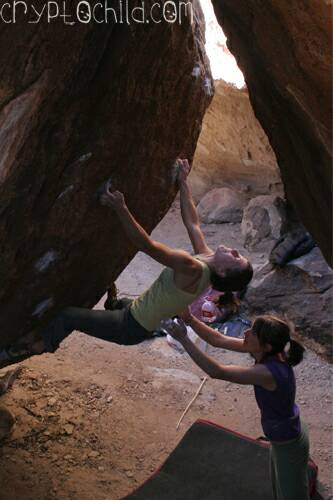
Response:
column 277, row 332
column 234, row 280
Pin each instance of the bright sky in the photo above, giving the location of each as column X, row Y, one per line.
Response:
column 223, row 64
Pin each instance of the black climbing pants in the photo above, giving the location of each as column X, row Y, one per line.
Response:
column 116, row 326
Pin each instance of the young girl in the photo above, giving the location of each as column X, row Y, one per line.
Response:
column 274, row 387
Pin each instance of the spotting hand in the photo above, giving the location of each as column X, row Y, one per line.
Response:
column 174, row 327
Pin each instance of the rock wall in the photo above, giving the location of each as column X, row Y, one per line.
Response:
column 285, row 52
column 233, row 150
column 79, row 104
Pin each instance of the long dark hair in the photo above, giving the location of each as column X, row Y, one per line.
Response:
column 234, row 280
column 277, row 332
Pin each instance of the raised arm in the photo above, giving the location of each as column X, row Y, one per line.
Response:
column 211, row 336
column 254, row 375
column 189, row 212
column 178, row 260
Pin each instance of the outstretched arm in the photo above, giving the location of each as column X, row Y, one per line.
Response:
column 138, row 236
column 211, row 336
column 254, row 375
column 178, row 260
column 189, row 212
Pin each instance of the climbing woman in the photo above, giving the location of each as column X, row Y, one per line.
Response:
column 182, row 280
column 273, row 379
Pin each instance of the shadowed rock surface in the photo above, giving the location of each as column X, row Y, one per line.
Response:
column 78, row 105
column 285, row 52
column 303, row 290
column 7, row 422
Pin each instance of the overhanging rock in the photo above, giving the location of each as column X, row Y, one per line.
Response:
column 284, row 49
column 79, row 104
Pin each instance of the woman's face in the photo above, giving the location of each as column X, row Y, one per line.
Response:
column 252, row 344
column 228, row 258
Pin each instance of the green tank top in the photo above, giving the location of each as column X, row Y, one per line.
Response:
column 164, row 300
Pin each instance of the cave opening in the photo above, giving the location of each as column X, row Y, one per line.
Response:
column 223, row 64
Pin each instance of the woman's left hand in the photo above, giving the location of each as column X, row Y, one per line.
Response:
column 175, row 328
column 183, row 170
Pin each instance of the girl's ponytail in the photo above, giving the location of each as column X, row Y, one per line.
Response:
column 295, row 353
column 277, row 333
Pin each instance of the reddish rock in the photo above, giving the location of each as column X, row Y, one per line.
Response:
column 284, row 49
column 79, row 104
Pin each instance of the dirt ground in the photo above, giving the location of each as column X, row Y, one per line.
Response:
column 94, row 420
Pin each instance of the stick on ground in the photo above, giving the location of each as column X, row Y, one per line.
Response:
column 192, row 401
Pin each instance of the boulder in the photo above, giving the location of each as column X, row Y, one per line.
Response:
column 221, row 205
column 233, row 150
column 284, row 49
column 79, row 104
column 264, row 220
column 302, row 290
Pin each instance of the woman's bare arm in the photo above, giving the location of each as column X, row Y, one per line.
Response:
column 189, row 212
column 179, row 260
column 254, row 375
column 213, row 337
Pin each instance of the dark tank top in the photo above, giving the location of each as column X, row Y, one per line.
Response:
column 280, row 418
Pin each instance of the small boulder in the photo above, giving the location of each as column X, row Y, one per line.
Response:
column 221, row 205
column 263, row 221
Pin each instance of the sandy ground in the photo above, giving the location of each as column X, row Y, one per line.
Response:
column 95, row 420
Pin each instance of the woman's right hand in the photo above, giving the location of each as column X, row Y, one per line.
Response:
column 113, row 199
column 186, row 315
column 175, row 328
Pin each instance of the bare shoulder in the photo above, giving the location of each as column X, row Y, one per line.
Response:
column 191, row 264
column 188, row 276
